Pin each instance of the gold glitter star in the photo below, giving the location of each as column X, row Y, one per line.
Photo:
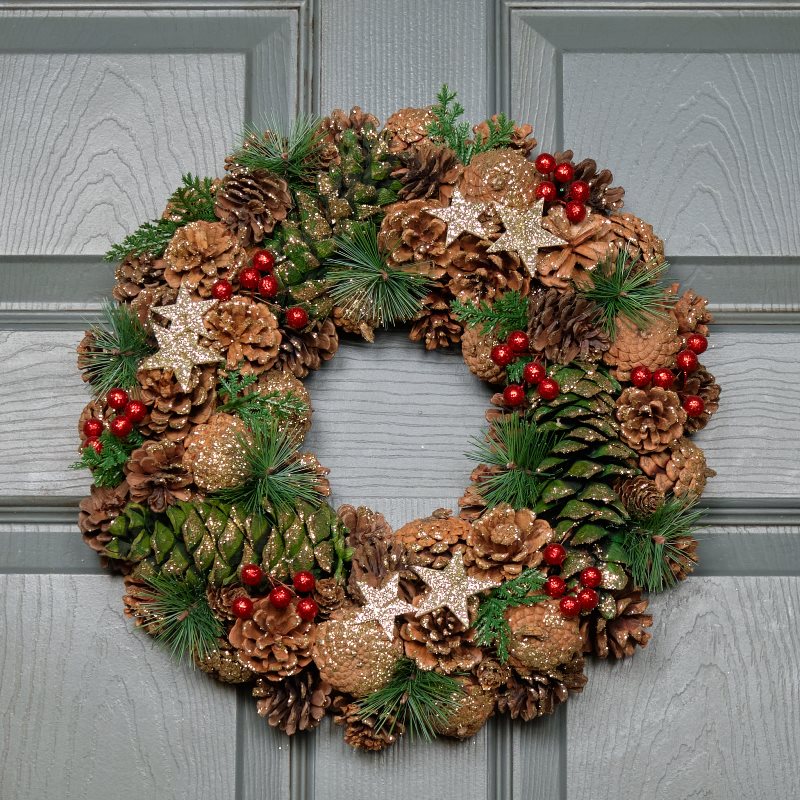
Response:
column 450, row 587
column 179, row 351
column 461, row 216
column 524, row 233
column 186, row 314
column 382, row 605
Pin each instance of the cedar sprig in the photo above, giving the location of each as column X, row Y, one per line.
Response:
column 507, row 313
column 629, row 288
column 254, row 406
column 149, row 239
column 515, row 449
column 491, row 626
column 516, row 369
column 366, row 287
column 421, row 700
column 193, row 200
column 108, row 466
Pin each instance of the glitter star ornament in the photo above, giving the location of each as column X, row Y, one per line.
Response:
column 461, row 216
column 179, row 351
column 382, row 605
column 450, row 587
column 524, row 233
column 186, row 314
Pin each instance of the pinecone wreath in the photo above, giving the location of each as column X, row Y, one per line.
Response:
column 583, row 495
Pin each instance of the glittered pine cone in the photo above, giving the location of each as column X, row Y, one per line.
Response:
column 274, row 642
column 339, row 121
column 563, row 326
column 637, row 237
column 640, row 496
column 156, row 475
column 654, row 347
column 364, row 525
column 283, row 382
column 428, row 172
column 407, row 127
column 435, row 324
column 702, row 384
column 304, row 351
column 503, row 542
column 224, row 665
column 473, row 708
column 409, row 235
column 137, row 273
column 98, row 510
column 213, row 453
column 491, row 674
column 471, row 503
column 138, row 594
column 358, row 321
column 690, row 312
column 476, row 347
column 526, row 696
column 329, row 595
column 651, row 420
column 432, row 541
column 521, row 137
column 500, row 176
column 619, row 636
column 365, row 733
column 681, row 468
column 151, row 297
column 297, row 703
column 221, row 600
column 246, row 332
column 602, row 195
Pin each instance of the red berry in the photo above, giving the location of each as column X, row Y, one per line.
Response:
column 296, row 318
column 545, row 163
column 136, row 411
column 580, row 190
column 591, row 577
column 588, row 599
column 546, row 190
column 687, row 360
column 268, row 286
column 554, row 554
column 513, row 395
column 555, row 586
column 518, row 342
column 304, row 582
column 641, row 376
column 263, row 260
column 307, row 609
column 534, row 372
column 121, row 427
column 663, row 378
column 697, row 343
column 117, row 399
column 242, row 608
column 248, row 278
column 693, row 405
column 564, row 172
column 92, row 428
column 575, row 211
column 548, row 389
column 251, row 574
column 569, row 606
column 280, row 597
column 502, row 355
column 222, row 290
column 95, row 444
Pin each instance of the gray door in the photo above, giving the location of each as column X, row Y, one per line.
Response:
column 696, row 110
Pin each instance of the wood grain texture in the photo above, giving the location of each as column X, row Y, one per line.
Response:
column 536, row 757
column 99, row 711
column 708, row 710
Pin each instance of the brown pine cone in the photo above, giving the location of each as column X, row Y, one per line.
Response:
column 653, row 348
column 213, row 454
column 432, row 541
column 362, row 732
column 251, row 204
column 356, row 319
column 637, row 237
column 428, row 172
column 221, row 600
column 563, row 326
column 297, row 703
column 640, row 496
column 364, row 525
column 338, row 121
column 491, row 674
column 521, row 138
column 156, row 475
column 97, row 511
column 152, row 297
column 94, row 409
column 435, row 324
column 136, row 273
column 283, row 382
column 681, row 468
column 274, row 642
column 503, row 542
column 138, row 593
column 602, row 195
column 409, row 235
column 651, row 419
column 690, row 312
column 224, row 665
column 376, row 553
column 700, row 383
column 473, row 709
column 526, row 697
column 476, row 347
column 500, row 176
column 407, row 127
column 471, row 503
column 618, row 637
column 329, row 596
column 304, row 351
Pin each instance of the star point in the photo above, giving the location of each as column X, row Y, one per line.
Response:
column 186, row 314
column 461, row 216
column 179, row 351
column 382, row 605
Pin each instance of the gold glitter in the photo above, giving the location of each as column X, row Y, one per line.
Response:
column 180, row 352
column 461, row 216
column 186, row 314
column 382, row 605
column 213, row 454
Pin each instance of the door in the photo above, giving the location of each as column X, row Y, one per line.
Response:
column 103, row 106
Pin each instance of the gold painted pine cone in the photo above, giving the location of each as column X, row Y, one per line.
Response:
column 214, row 455
column 224, row 665
column 680, row 469
column 476, row 347
column 407, row 127
column 432, row 541
column 297, row 703
column 618, row 637
column 650, row 419
column 500, row 176
column 654, row 347
column 473, row 709
column 640, row 496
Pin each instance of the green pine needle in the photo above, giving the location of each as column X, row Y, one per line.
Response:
column 178, row 613
column 491, row 625
column 507, row 313
column 108, row 466
column 515, row 449
column 366, row 287
column 255, row 406
column 193, row 200
column 421, row 700
column 628, row 288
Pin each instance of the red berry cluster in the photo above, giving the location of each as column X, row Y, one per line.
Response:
column 252, row 279
column 128, row 413
column 561, row 187
column 577, row 600
column 534, row 374
column 280, row 595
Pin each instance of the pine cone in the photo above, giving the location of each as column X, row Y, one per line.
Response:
column 602, row 195
column 213, row 453
column 329, row 596
column 282, row 381
column 251, row 204
column 500, row 176
column 407, row 127
column 136, row 273
column 98, row 511
column 651, row 419
column 409, row 235
column 690, row 312
column 151, row 297
column 297, row 703
column 526, row 697
column 435, row 323
column 245, row 331
column 640, row 496
column 156, row 475
column 473, row 709
column 653, row 348
column 637, row 237
column 681, row 469
column 521, row 138
column 138, row 593
column 356, row 319
column 702, row 384
column 361, row 732
column 432, row 541
column 491, row 674
column 471, row 503
column 94, row 409
column 563, row 326
column 339, row 121
column 304, row 351
column 224, row 665
column 274, row 642
column 365, row 526
column 428, row 172
column 503, row 542
column 476, row 347
column 618, row 637
column 221, row 600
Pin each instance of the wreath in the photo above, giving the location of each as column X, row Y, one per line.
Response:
column 583, row 497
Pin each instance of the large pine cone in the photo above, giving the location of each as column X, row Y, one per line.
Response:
column 156, row 475
column 618, row 637
column 521, row 137
column 690, row 312
column 297, row 703
column 473, row 709
column 650, row 419
column 98, row 510
column 252, row 203
column 428, row 172
column 503, row 542
column 274, row 642
column 435, row 324
column 304, row 351
column 654, row 347
column 500, row 176
column 476, row 347
column 361, row 732
column 526, row 697
column 214, row 455
column 636, row 237
column 563, row 326
column 137, row 273
column 409, row 235
column 432, row 541
column 702, row 384
column 407, row 127
column 681, row 468
column 224, row 665
column 640, row 496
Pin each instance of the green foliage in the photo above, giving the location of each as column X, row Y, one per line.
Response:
column 254, row 406
column 107, row 466
column 150, row 238
column 515, row 370
column 421, row 700
column 491, row 626
column 366, row 287
column 193, row 200
column 507, row 313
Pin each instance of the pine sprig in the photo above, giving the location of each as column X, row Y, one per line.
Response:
column 491, row 625
column 108, row 466
column 507, row 313
column 421, row 700
column 627, row 288
column 366, row 287
column 515, row 450
column 150, row 238
column 193, row 200
column 255, row 406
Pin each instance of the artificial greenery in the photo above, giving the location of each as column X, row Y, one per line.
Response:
column 515, row 370
column 108, row 466
column 366, row 287
column 255, row 406
column 118, row 344
column 193, row 200
column 421, row 700
column 149, row 239
column 491, row 625
column 447, row 129
column 628, row 287
column 507, row 313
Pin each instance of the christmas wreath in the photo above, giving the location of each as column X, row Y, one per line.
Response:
column 584, row 495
